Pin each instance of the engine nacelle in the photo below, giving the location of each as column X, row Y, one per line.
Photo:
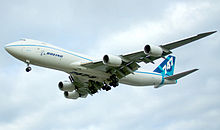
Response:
column 153, row 50
column 71, row 95
column 66, row 86
column 112, row 60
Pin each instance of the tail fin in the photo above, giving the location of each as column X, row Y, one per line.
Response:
column 167, row 66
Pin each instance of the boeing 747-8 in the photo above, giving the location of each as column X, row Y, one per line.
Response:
column 88, row 75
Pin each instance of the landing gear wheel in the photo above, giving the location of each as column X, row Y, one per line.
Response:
column 114, row 85
column 28, row 69
column 104, row 87
column 111, row 83
column 108, row 88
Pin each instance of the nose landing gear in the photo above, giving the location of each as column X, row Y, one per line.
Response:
column 28, row 69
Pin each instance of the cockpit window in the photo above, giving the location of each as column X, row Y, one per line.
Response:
column 22, row 39
column 33, row 41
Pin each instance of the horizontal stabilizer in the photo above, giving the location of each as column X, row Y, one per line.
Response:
column 180, row 75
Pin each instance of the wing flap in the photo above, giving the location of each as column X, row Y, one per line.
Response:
column 124, row 70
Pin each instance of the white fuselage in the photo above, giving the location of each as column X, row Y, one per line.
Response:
column 49, row 56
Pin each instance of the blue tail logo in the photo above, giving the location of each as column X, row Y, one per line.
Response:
column 167, row 66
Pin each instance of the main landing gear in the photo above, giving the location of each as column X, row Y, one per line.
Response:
column 28, row 69
column 92, row 86
column 106, row 87
column 113, row 81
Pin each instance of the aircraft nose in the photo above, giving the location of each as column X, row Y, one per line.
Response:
column 9, row 48
column 15, row 49
column 12, row 49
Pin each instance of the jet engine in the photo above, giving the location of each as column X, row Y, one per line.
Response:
column 152, row 50
column 71, row 95
column 66, row 86
column 112, row 60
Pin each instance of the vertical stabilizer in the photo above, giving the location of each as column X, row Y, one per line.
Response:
column 167, row 66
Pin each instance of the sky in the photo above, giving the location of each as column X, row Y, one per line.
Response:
column 32, row 101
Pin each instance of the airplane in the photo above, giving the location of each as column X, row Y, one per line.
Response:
column 88, row 76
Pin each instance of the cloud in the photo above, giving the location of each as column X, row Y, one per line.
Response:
column 176, row 20
column 33, row 101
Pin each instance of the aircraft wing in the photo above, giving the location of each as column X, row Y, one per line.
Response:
column 173, row 45
column 166, row 47
column 131, row 60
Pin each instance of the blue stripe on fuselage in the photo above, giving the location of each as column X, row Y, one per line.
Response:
column 162, row 80
column 159, row 74
column 148, row 73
